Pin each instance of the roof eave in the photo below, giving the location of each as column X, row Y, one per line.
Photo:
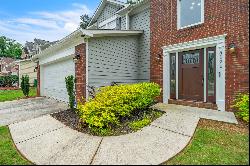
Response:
column 100, row 7
column 57, row 45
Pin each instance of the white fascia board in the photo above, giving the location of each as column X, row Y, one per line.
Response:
column 107, row 21
column 22, row 60
column 101, row 7
column 65, row 41
column 103, row 33
column 194, row 44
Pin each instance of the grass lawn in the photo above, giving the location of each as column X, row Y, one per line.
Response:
column 216, row 143
column 8, row 153
column 8, row 95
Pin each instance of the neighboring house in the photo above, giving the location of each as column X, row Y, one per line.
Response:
column 8, row 66
column 182, row 45
column 26, row 65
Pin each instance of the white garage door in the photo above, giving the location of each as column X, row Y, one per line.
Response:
column 53, row 79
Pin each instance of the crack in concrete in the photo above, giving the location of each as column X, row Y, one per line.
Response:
column 91, row 162
column 171, row 131
column 39, row 135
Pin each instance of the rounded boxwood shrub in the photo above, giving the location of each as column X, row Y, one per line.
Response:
column 112, row 103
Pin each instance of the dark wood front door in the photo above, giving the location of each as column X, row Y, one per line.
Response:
column 191, row 75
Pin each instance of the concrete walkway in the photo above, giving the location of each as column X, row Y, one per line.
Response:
column 20, row 110
column 45, row 140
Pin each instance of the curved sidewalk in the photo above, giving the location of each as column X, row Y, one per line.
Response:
column 45, row 140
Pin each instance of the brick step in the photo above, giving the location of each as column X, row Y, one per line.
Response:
column 192, row 103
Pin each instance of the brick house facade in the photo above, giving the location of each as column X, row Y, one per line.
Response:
column 220, row 17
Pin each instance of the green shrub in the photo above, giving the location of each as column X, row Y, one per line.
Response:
column 8, row 81
column 137, row 125
column 35, row 83
column 25, row 85
column 112, row 103
column 101, row 131
column 70, row 84
column 242, row 105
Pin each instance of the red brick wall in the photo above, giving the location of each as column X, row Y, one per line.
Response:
column 80, row 73
column 221, row 16
column 38, row 92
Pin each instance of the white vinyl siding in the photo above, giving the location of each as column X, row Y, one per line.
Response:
column 123, row 23
column 112, row 59
column 108, row 12
column 141, row 21
column 53, row 79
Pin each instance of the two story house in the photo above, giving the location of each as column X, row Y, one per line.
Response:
column 197, row 50
column 26, row 65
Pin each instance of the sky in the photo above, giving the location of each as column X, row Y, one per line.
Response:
column 24, row 20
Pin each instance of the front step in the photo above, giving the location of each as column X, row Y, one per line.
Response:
column 192, row 103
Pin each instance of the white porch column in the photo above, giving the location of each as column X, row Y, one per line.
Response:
column 205, row 75
column 166, row 77
column 220, row 76
column 177, row 75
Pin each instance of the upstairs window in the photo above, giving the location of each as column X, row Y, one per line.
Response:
column 190, row 13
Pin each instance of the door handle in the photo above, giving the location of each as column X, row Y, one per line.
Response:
column 202, row 81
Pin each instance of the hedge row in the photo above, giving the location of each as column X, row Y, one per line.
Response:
column 8, row 81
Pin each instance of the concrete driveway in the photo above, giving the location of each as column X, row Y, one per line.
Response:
column 21, row 110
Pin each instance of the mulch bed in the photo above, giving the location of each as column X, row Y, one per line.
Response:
column 242, row 127
column 71, row 119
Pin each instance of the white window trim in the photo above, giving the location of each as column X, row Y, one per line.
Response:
column 179, row 15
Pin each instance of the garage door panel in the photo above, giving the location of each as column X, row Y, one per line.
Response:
column 54, row 85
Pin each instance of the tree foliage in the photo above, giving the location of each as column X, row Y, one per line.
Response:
column 10, row 48
column 70, row 85
column 85, row 20
column 25, row 85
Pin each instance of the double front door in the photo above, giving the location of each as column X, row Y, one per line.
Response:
column 192, row 83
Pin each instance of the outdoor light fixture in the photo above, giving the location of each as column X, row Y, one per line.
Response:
column 35, row 70
column 232, row 48
column 76, row 58
column 158, row 57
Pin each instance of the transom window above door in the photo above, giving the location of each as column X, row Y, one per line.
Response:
column 189, row 13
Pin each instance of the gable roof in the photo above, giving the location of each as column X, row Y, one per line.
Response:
column 132, row 7
column 102, row 6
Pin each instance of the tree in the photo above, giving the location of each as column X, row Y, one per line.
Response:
column 85, row 20
column 10, row 48
column 25, row 85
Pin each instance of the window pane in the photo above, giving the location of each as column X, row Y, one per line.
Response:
column 191, row 58
column 173, row 76
column 190, row 12
column 211, row 73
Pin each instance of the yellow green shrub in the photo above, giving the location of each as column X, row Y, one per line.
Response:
column 114, row 102
column 242, row 106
